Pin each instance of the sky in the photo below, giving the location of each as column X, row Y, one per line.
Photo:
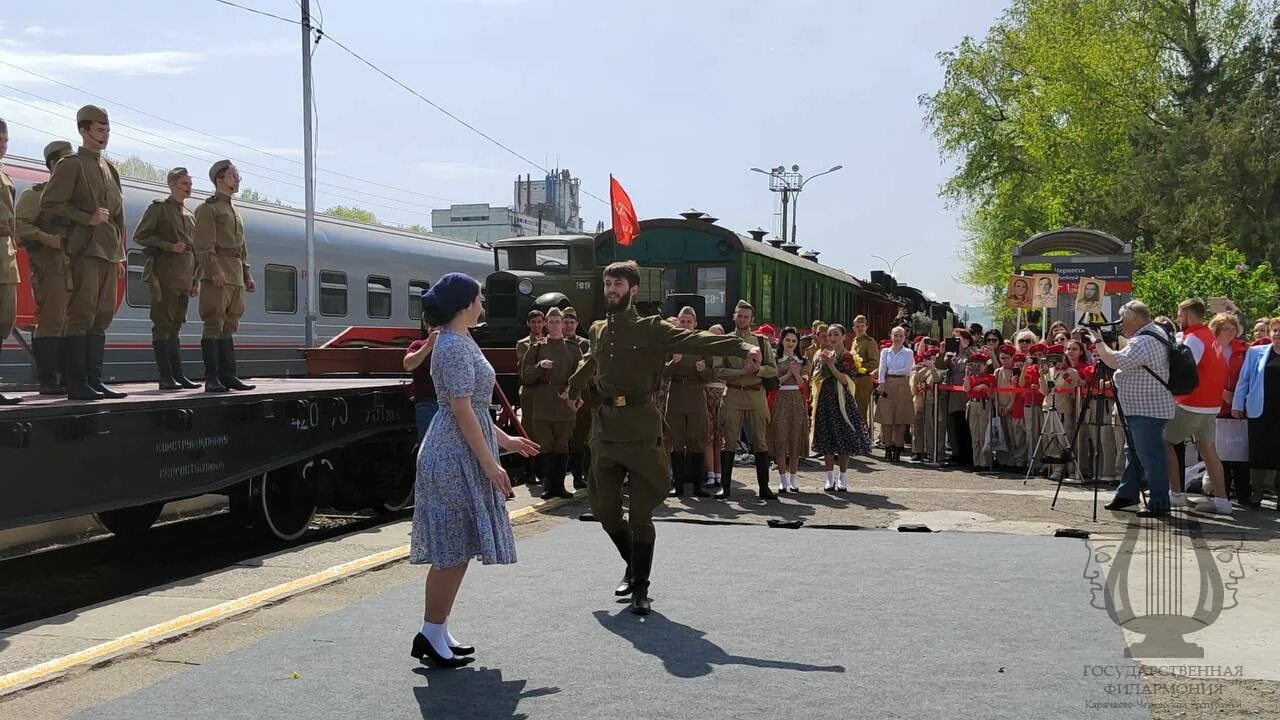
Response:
column 676, row 99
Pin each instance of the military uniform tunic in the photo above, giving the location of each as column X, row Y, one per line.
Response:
column 169, row 275
column 49, row 263
column 582, row 421
column 626, row 359
column 527, row 411
column 744, row 400
column 553, row 428
column 869, row 350
column 8, row 258
column 79, row 185
column 686, row 409
column 220, row 250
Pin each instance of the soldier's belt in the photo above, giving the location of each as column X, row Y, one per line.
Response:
column 624, row 400
column 686, row 381
column 229, row 252
column 739, row 386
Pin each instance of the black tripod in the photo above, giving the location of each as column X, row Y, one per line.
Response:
column 1102, row 373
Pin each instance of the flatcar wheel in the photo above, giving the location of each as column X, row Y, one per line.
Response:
column 282, row 503
column 398, row 493
column 130, row 522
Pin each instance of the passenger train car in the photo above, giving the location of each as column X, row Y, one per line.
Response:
column 370, row 275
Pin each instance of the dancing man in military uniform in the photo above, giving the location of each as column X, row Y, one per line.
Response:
column 8, row 252
column 49, row 277
column 745, row 404
column 223, row 265
column 84, row 196
column 578, row 450
column 686, row 413
column 166, row 230
column 544, row 372
column 626, row 360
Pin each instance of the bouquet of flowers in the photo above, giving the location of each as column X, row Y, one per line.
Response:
column 846, row 362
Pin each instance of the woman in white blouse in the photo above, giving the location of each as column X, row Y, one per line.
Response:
column 894, row 409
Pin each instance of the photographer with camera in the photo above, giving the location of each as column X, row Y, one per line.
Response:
column 1142, row 373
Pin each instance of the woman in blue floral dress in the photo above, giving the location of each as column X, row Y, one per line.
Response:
column 461, row 490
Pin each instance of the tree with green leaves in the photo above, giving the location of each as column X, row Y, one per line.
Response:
column 1224, row 273
column 352, row 213
column 135, row 167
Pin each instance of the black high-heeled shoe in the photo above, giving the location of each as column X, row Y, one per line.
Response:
column 423, row 652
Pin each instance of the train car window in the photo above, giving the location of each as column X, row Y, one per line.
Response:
column 815, row 304
column 333, row 293
column 136, row 292
column 281, row 294
column 749, row 282
column 378, row 296
column 713, row 284
column 416, row 290
column 670, row 280
column 766, row 298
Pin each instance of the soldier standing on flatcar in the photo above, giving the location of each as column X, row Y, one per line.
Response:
column 166, row 230
column 84, row 195
column 686, row 412
column 745, row 404
column 536, row 322
column 578, row 450
column 8, row 253
column 625, row 362
column 545, row 371
column 223, row 265
column 49, row 277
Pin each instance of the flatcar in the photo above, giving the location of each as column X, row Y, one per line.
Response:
column 370, row 276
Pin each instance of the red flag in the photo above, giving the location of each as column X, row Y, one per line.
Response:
column 625, row 223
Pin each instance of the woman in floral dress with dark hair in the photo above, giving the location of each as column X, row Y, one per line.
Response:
column 838, row 428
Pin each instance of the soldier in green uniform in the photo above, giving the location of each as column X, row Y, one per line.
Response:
column 44, row 244
column 626, row 360
column 223, row 265
column 544, row 372
column 166, row 231
column 687, row 412
column 8, row 252
column 578, row 450
column 84, row 195
column 745, row 404
column 536, row 322
column 869, row 350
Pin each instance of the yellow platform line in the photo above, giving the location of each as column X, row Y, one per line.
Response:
column 45, row 671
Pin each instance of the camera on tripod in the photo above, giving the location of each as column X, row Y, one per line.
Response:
column 1109, row 331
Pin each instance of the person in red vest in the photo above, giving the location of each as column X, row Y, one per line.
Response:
column 1195, row 415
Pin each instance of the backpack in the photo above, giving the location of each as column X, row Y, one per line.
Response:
column 1183, row 376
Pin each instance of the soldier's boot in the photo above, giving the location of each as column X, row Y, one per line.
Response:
column 677, row 475
column 726, row 475
column 696, row 463
column 622, row 541
column 762, row 476
column 209, row 349
column 562, row 471
column 48, row 352
column 557, row 464
column 577, row 468
column 227, row 365
column 641, row 564
column 97, row 351
column 164, row 365
column 75, row 357
column 175, row 364
column 8, row 400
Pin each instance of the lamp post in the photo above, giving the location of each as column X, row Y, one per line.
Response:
column 890, row 265
column 789, row 184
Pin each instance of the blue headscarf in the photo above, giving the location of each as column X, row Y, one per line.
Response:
column 451, row 294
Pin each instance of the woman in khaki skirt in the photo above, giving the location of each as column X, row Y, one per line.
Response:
column 790, row 421
column 894, row 408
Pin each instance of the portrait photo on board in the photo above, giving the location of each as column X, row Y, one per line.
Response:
column 1045, row 290
column 1089, row 296
column 1018, row 295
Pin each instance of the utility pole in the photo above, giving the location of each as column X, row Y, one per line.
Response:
column 309, row 179
column 785, row 194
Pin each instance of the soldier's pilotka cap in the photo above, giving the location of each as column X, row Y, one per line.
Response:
column 57, row 148
column 175, row 173
column 217, row 168
column 91, row 113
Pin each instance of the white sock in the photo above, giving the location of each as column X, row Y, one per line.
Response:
column 831, row 479
column 436, row 635
column 453, row 641
column 844, row 480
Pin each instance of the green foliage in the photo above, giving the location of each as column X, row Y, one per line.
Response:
column 135, row 167
column 255, row 196
column 417, row 228
column 1154, row 120
column 1163, row 281
column 352, row 213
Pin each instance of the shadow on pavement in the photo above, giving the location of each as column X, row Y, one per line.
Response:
column 472, row 692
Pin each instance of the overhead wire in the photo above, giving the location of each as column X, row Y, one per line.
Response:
column 413, row 92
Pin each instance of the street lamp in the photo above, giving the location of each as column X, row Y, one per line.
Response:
column 789, row 184
column 795, row 207
column 890, row 265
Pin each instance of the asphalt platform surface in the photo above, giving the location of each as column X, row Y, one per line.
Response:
column 749, row 622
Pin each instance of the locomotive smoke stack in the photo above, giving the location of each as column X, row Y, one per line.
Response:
column 692, row 214
column 709, row 219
